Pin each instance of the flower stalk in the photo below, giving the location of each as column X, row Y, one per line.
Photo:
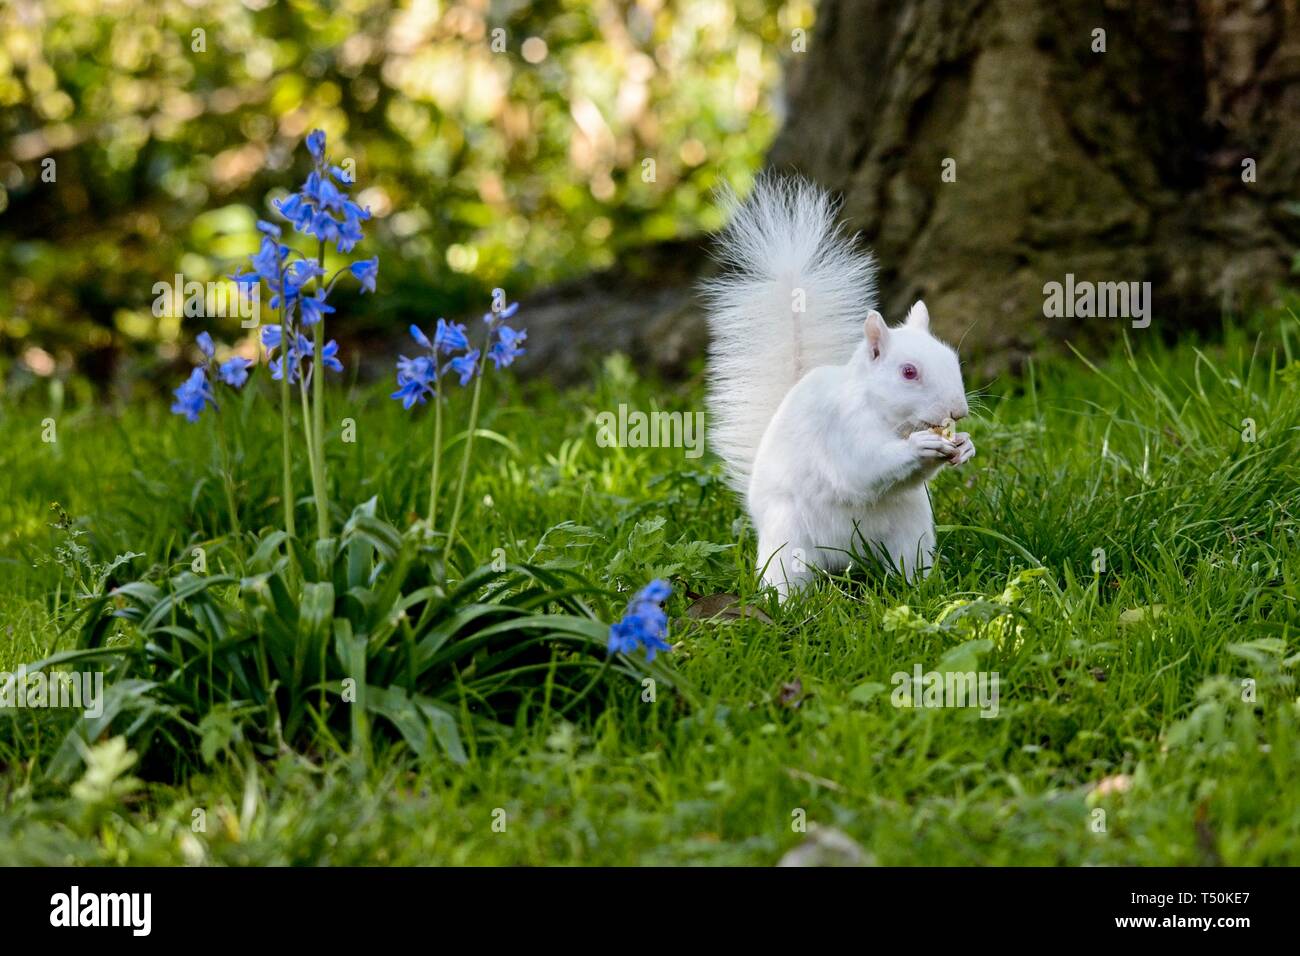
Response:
column 437, row 451
column 422, row 377
column 318, row 410
column 465, row 457
column 286, row 434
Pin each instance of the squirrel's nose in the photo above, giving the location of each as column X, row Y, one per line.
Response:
column 961, row 411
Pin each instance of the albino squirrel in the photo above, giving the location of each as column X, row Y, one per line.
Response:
column 830, row 423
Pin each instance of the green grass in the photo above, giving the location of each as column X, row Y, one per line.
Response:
column 1133, row 671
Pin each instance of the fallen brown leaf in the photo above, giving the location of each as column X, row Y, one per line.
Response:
column 724, row 607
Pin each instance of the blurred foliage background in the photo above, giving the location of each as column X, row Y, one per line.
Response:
column 504, row 143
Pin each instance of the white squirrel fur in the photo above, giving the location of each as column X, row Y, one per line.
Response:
column 808, row 407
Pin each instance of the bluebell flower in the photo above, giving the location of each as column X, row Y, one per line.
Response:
column 286, row 287
column 365, row 271
column 327, row 195
column 657, row 591
column 411, row 391
column 416, row 378
column 506, row 347
column 234, row 371
column 507, row 311
column 503, row 341
column 450, row 337
column 420, row 367
column 205, row 345
column 324, row 227
column 644, row 624
column 296, row 211
column 347, row 234
column 269, row 257
column 313, row 208
column 328, row 356
column 273, row 339
column 465, row 365
column 244, row 278
column 313, row 309
column 320, row 208
column 418, row 334
column 316, row 145
column 192, row 395
column 268, row 265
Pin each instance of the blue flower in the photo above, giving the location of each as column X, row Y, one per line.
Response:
column 268, row 228
column 644, row 623
column 657, row 591
column 328, row 356
column 503, row 341
column 418, row 334
column 347, row 235
column 491, row 319
column 313, row 309
column 412, row 391
column 205, row 345
column 415, row 377
column 296, row 211
column 465, row 366
column 316, row 145
column 365, row 272
column 268, row 258
column 325, row 193
column 450, row 337
column 243, row 279
column 192, row 395
column 313, row 207
column 234, row 371
column 506, row 349
column 420, row 367
column 277, row 365
column 324, row 227
column 273, row 339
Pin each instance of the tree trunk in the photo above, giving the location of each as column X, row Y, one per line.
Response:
column 1123, row 165
column 1117, row 166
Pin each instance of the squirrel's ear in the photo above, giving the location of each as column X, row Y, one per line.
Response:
column 918, row 317
column 877, row 333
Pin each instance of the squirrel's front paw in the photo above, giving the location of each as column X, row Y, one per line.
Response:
column 965, row 449
column 927, row 446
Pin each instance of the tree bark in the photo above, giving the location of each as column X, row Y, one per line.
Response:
column 1117, row 166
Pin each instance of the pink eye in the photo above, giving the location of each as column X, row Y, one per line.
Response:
column 909, row 371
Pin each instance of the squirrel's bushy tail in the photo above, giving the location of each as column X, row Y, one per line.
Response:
column 793, row 295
